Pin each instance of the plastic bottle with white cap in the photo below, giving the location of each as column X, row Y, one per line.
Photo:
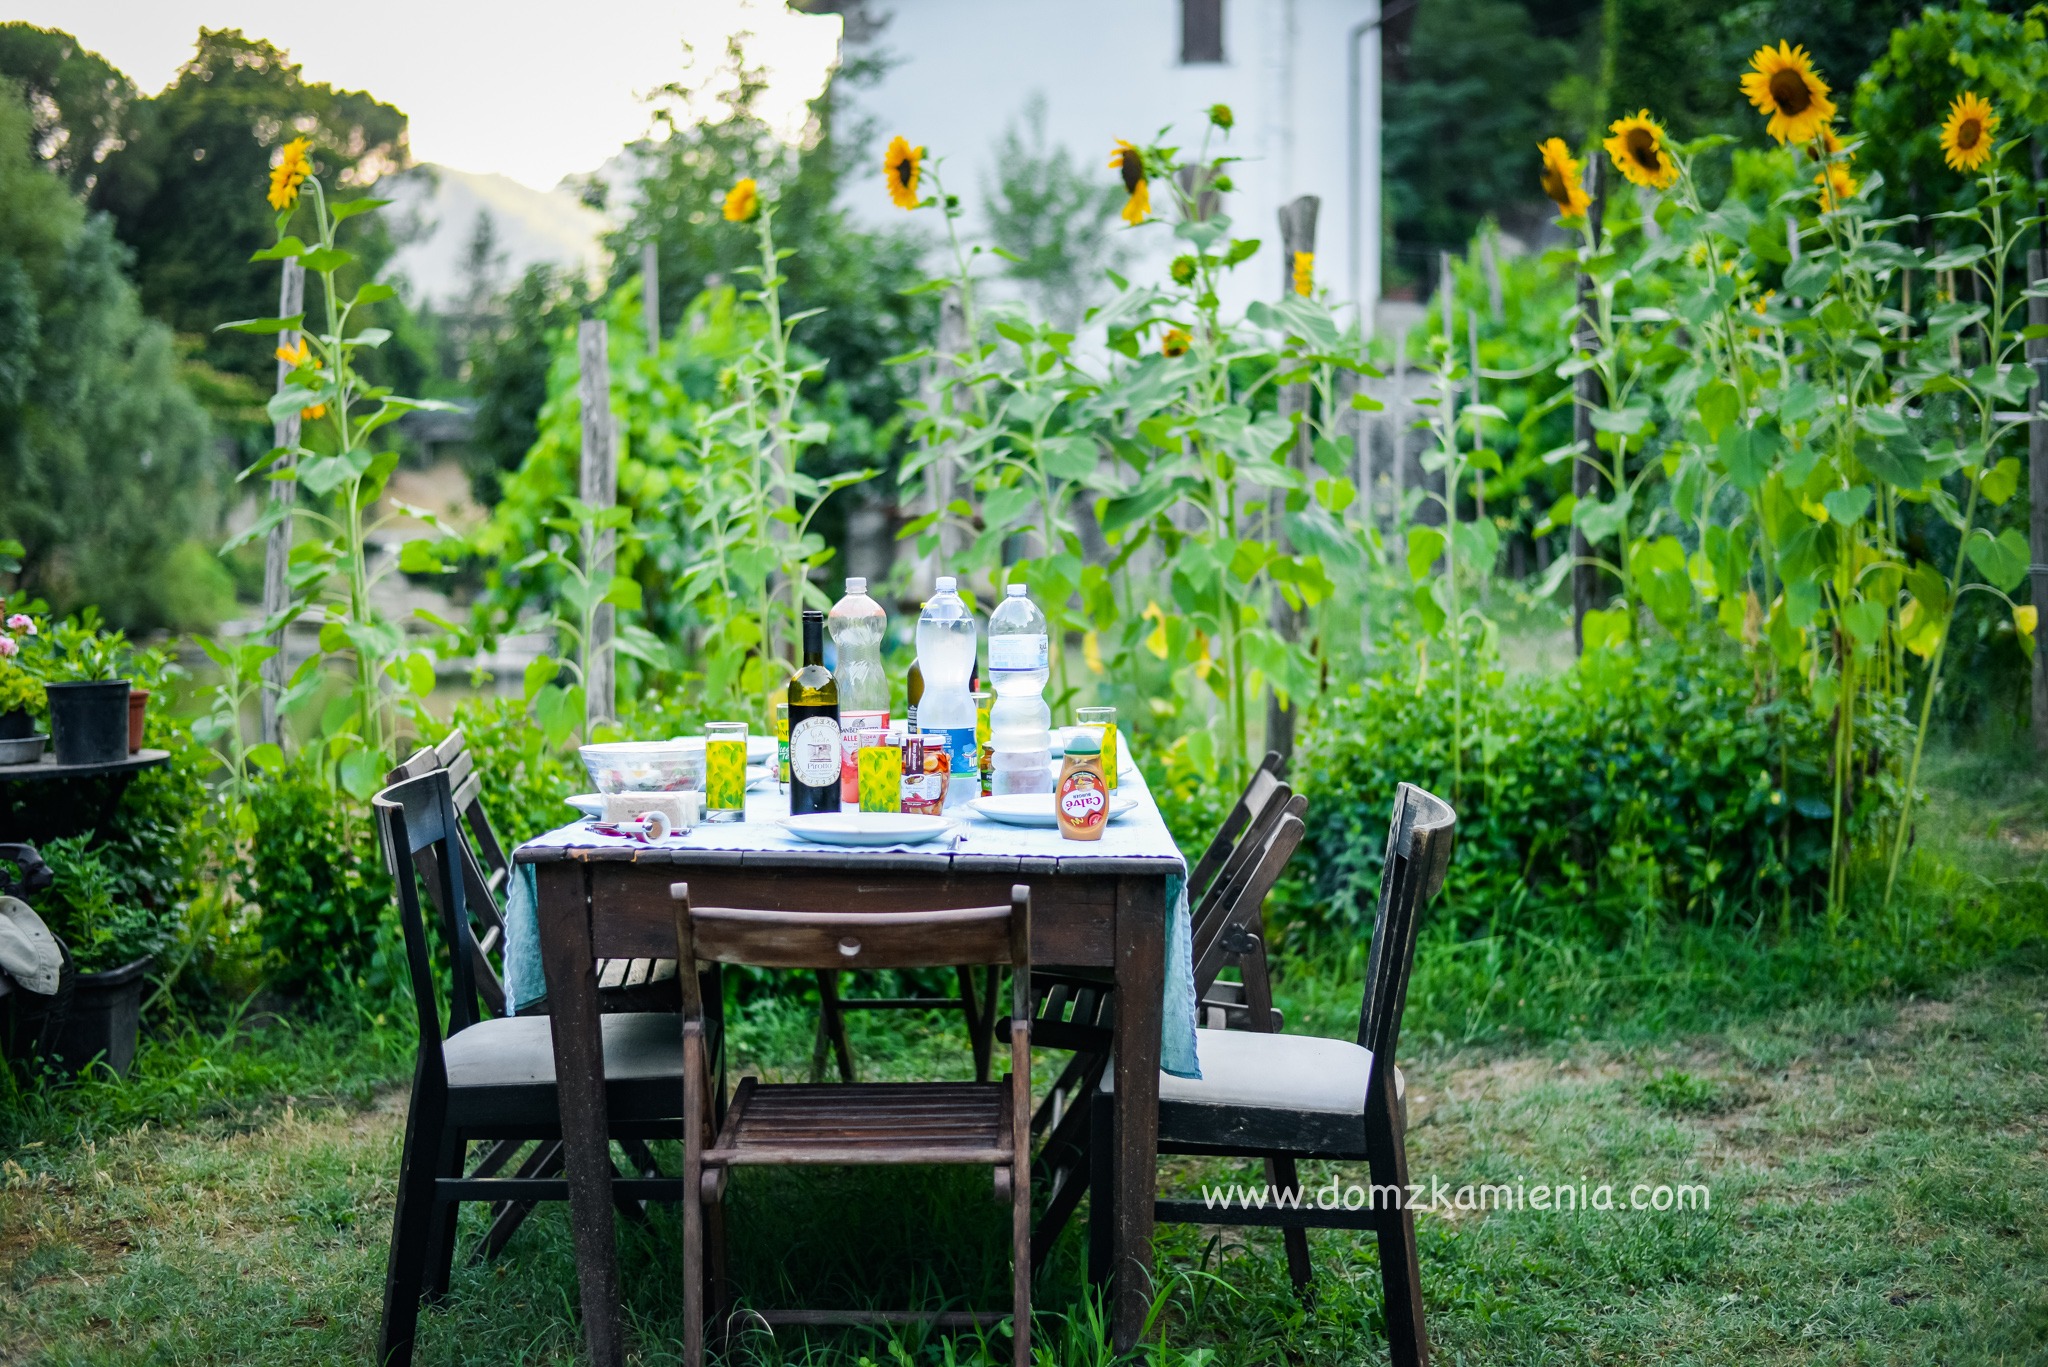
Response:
column 857, row 623
column 945, row 714
column 1020, row 724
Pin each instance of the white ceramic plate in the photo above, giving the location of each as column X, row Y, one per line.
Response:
column 1036, row 809
column 867, row 828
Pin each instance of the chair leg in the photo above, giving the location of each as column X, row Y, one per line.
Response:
column 447, row 1218
column 1101, row 1190
column 831, row 1029
column 1282, row 1175
column 1400, row 1270
column 508, row 1216
column 1020, row 1261
column 405, row 1271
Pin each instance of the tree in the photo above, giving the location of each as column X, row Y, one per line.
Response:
column 78, row 101
column 1054, row 215
column 103, row 452
column 185, row 189
column 856, row 277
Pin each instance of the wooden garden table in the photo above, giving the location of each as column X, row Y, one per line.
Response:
column 1092, row 906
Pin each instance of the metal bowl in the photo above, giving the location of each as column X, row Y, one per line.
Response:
column 649, row 766
column 26, row 750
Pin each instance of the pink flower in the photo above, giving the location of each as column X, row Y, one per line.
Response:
column 8, row 648
column 22, row 622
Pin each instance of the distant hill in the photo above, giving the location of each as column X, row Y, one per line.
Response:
column 434, row 214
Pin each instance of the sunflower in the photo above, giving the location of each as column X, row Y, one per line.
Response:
column 900, row 163
column 1130, row 161
column 1828, row 144
column 296, row 356
column 1966, row 137
column 293, row 166
column 1836, row 185
column 743, row 201
column 1637, row 146
column 1183, row 270
column 1220, row 115
column 1175, row 343
column 1561, row 179
column 1782, row 83
column 1304, row 272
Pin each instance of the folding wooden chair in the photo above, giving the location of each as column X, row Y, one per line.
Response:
column 1286, row 1098
column 975, row 1123
column 622, row 984
column 491, row 1080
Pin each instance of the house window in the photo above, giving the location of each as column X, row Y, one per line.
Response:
column 1201, row 31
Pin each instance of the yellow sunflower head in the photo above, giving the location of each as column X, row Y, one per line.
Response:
column 1130, row 162
column 1220, row 115
column 743, row 201
column 1183, row 270
column 296, row 354
column 1826, row 146
column 1561, row 179
column 1637, row 145
column 1836, row 185
column 1175, row 343
column 1966, row 137
column 293, row 166
column 1304, row 272
column 900, row 163
column 1782, row 83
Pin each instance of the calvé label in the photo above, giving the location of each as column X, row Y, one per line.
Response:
column 1084, row 806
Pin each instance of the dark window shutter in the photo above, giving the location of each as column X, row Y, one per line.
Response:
column 1201, row 31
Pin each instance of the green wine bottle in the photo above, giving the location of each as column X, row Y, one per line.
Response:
column 814, row 759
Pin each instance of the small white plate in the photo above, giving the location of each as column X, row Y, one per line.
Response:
column 867, row 828
column 1036, row 809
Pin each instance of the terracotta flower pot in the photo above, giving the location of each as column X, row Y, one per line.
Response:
column 138, row 704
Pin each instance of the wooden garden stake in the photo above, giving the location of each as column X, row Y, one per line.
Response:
column 650, row 296
column 1297, row 235
column 2037, row 488
column 1478, row 475
column 599, row 489
column 1585, row 479
column 277, row 550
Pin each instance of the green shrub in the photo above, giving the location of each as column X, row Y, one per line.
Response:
column 1673, row 787
column 87, row 907
column 316, row 876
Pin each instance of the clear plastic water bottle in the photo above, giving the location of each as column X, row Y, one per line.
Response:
column 856, row 624
column 945, row 714
column 1020, row 724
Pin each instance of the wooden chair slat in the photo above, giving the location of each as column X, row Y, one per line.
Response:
column 637, row 971
column 611, row 973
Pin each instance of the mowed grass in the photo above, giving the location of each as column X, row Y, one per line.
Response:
column 1878, row 1178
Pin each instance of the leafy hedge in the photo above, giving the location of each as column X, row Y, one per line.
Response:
column 1675, row 786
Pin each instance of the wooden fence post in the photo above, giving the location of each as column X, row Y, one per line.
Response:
column 1587, row 396
column 599, row 488
column 277, row 550
column 1297, row 235
column 2037, row 489
column 650, row 296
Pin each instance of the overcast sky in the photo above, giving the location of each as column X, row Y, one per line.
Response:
column 529, row 90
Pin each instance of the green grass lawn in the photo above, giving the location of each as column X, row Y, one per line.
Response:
column 1866, row 1103
column 1878, row 1178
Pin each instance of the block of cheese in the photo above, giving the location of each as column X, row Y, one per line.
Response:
column 679, row 808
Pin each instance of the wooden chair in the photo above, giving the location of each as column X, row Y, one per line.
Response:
column 1228, row 929
column 622, row 984
column 491, row 1080
column 978, row 1123
column 1287, row 1098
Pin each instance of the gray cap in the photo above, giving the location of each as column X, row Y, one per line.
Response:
column 28, row 951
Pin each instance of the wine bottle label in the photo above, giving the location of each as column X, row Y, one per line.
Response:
column 814, row 751
column 1018, row 652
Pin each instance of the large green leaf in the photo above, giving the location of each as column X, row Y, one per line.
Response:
column 2001, row 559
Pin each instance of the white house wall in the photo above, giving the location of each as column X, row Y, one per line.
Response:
column 964, row 71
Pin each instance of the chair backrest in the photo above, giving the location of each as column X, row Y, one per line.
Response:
column 1418, row 855
column 484, row 867
column 1258, row 793
column 1274, row 802
column 856, row 941
column 421, row 838
column 1240, row 907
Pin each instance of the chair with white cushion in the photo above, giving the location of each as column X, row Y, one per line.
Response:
column 1289, row 1098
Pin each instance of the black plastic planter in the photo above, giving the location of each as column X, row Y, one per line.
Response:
column 89, row 721
column 103, row 1021
column 16, row 725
